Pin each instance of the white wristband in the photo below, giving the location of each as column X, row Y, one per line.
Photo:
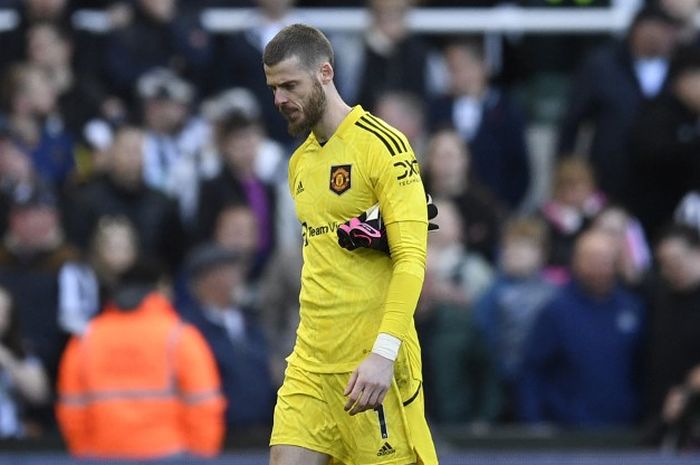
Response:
column 387, row 346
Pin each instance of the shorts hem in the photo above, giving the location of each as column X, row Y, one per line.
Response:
column 311, row 447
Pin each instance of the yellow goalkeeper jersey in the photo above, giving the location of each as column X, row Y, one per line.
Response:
column 344, row 293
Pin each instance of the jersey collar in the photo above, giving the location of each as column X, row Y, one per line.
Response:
column 348, row 122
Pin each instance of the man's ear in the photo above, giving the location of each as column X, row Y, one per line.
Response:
column 327, row 73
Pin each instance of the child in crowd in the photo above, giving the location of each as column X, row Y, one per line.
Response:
column 506, row 311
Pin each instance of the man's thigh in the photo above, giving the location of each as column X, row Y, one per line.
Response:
column 302, row 419
column 295, row 455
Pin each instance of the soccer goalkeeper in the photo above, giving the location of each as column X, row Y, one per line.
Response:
column 352, row 392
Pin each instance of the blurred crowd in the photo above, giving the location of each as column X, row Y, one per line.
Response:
column 150, row 256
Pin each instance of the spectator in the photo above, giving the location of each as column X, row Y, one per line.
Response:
column 406, row 113
column 30, row 12
column 149, row 387
column 217, row 279
column 173, row 139
column 30, row 103
column 240, row 140
column 574, row 203
column 271, row 160
column 461, row 376
column 608, row 91
column 159, row 36
column 243, row 57
column 674, row 347
column 122, row 192
column 581, row 360
column 270, row 163
column 33, row 255
column 454, row 275
column 236, row 230
column 664, row 144
column 50, row 49
column 86, row 284
column 488, row 120
column 389, row 50
column 23, row 380
column 507, row 309
column 447, row 176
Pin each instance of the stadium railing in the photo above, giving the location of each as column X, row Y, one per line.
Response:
column 503, row 19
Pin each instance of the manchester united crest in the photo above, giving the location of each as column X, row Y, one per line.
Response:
column 340, row 178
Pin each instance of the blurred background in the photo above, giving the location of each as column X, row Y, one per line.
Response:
column 140, row 152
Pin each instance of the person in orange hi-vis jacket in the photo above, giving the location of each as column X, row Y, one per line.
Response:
column 140, row 383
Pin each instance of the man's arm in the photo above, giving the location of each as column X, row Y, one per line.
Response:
column 370, row 382
column 396, row 181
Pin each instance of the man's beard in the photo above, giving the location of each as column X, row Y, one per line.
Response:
column 313, row 110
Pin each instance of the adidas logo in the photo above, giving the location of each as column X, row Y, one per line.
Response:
column 386, row 450
column 300, row 188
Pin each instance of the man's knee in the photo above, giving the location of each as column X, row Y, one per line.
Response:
column 294, row 455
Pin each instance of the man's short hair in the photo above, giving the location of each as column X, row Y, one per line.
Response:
column 208, row 256
column 309, row 44
column 234, row 123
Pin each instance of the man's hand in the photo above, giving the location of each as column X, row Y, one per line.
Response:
column 368, row 230
column 369, row 383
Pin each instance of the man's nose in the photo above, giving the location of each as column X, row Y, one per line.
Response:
column 280, row 97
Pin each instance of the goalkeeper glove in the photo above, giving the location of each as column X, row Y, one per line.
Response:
column 367, row 230
column 432, row 213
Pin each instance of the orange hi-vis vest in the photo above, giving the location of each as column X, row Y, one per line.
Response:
column 140, row 384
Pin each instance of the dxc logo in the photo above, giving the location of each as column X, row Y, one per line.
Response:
column 408, row 169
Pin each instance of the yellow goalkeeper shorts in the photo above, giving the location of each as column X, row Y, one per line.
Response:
column 310, row 413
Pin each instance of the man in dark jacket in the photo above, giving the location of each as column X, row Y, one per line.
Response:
column 490, row 122
column 122, row 191
column 216, row 276
column 665, row 145
column 608, row 91
column 32, row 256
column 674, row 344
column 581, row 362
